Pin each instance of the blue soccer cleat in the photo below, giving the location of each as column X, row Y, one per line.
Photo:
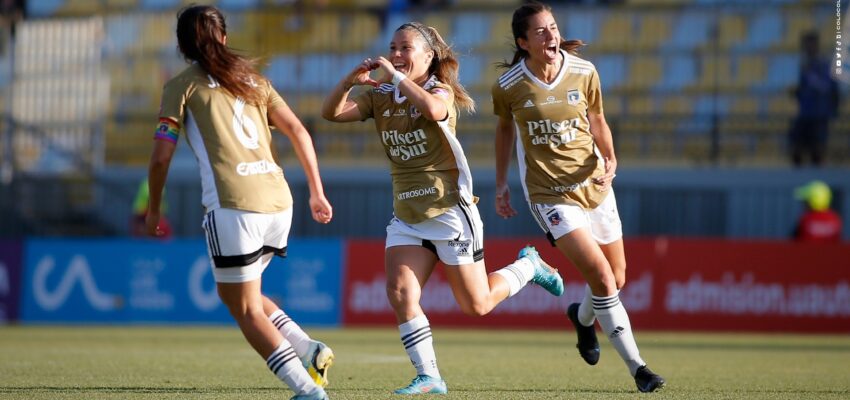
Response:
column 424, row 384
column 544, row 275
column 317, row 361
column 318, row 394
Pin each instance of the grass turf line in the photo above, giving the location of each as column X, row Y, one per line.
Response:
column 49, row 362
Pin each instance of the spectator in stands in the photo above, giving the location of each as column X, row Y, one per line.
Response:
column 549, row 104
column 818, row 223
column 817, row 98
column 138, row 225
column 223, row 106
column 415, row 103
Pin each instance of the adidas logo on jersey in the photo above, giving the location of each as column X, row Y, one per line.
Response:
column 386, row 113
column 528, row 104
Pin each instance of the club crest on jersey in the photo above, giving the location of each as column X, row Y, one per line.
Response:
column 528, row 104
column 573, row 97
column 414, row 113
column 554, row 218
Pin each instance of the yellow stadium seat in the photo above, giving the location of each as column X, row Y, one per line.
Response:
column 654, row 30
column 732, row 30
column 644, row 72
column 617, row 32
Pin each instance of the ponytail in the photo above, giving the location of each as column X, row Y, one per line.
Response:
column 201, row 32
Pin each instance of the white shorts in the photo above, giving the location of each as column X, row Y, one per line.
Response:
column 560, row 219
column 456, row 236
column 241, row 243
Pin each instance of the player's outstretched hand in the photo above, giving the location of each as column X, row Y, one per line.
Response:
column 503, row 202
column 321, row 209
column 152, row 224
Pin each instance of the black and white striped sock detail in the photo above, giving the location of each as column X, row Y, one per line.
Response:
column 417, row 336
column 280, row 319
column 280, row 357
column 604, row 303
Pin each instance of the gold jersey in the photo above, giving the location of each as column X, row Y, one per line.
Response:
column 428, row 167
column 231, row 141
column 555, row 149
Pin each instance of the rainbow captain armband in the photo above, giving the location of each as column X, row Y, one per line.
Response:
column 167, row 130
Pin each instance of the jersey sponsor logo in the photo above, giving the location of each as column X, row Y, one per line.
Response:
column 528, row 104
column 573, row 97
column 551, row 100
column 545, row 131
column 257, row 168
column 570, row 188
column 419, row 192
column 386, row 113
column 405, row 145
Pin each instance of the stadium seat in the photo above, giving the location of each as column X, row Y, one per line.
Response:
column 612, row 70
column 43, row 8
column 470, row 31
column 764, row 29
column 690, row 30
column 282, row 71
column 654, row 29
column 644, row 72
column 732, row 30
column 782, row 71
column 679, row 72
column 616, row 32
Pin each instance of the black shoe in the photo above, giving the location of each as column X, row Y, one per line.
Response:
column 588, row 345
column 648, row 381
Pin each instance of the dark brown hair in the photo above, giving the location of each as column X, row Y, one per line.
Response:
column 200, row 36
column 519, row 26
column 444, row 65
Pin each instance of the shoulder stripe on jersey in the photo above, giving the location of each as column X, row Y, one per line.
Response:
column 385, row 88
column 513, row 80
column 510, row 73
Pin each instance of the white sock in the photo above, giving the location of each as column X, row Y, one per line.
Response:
column 417, row 341
column 585, row 309
column 285, row 364
column 291, row 331
column 517, row 275
column 615, row 323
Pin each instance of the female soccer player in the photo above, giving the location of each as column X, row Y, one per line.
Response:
column 223, row 107
column 550, row 102
column 414, row 105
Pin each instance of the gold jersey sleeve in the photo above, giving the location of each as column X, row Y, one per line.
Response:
column 231, row 141
column 556, row 150
column 427, row 165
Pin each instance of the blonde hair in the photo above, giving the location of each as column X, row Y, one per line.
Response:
column 444, row 65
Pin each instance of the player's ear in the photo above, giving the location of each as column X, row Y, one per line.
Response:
column 522, row 44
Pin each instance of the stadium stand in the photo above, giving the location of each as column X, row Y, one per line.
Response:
column 675, row 72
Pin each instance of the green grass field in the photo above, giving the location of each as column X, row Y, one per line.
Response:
column 216, row 363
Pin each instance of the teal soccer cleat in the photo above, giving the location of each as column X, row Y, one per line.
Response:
column 319, row 394
column 317, row 361
column 424, row 384
column 544, row 275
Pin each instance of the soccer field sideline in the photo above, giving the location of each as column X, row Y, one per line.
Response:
column 61, row 362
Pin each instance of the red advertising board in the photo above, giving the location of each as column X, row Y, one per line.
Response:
column 673, row 284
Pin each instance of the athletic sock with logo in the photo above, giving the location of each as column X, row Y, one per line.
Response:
column 517, row 275
column 615, row 323
column 291, row 331
column 284, row 363
column 585, row 309
column 417, row 341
